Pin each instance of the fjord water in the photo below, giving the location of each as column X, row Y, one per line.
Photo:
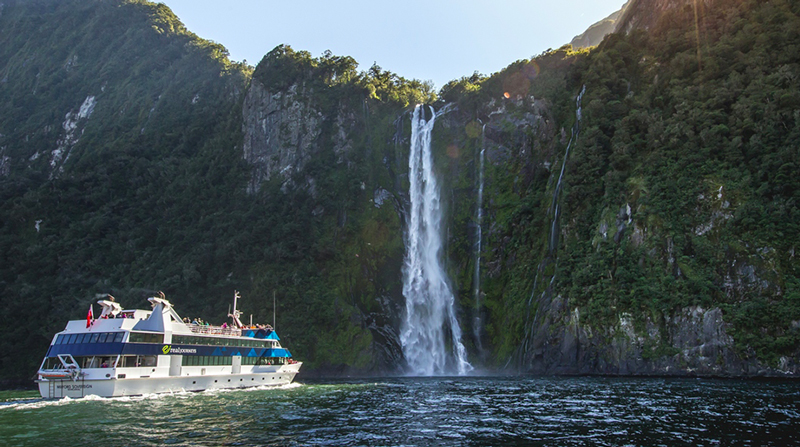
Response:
column 463, row 411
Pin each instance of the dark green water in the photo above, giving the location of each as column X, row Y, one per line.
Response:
column 424, row 412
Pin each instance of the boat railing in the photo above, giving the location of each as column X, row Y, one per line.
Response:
column 215, row 330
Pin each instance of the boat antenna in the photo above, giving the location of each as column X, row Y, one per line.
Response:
column 273, row 310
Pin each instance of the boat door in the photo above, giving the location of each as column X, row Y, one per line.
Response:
column 175, row 365
column 236, row 364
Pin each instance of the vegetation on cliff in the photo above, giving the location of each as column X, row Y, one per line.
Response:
column 679, row 192
column 121, row 171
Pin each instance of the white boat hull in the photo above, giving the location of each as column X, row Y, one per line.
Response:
column 113, row 387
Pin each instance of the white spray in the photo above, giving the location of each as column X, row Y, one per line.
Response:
column 430, row 304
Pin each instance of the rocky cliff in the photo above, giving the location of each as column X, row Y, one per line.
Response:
column 595, row 33
column 646, row 14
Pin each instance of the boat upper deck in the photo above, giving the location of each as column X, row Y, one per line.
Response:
column 128, row 323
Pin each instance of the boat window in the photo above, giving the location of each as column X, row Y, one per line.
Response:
column 94, row 338
column 52, row 363
column 102, row 337
column 132, row 361
column 148, row 360
column 59, row 340
column 90, row 362
column 138, row 337
column 118, row 336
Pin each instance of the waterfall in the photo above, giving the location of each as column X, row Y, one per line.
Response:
column 478, row 326
column 430, row 319
column 555, row 207
column 551, row 257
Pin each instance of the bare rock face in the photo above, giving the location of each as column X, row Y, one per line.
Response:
column 644, row 14
column 283, row 130
column 280, row 132
column 694, row 342
column 595, row 33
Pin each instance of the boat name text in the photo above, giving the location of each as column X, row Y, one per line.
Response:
column 168, row 349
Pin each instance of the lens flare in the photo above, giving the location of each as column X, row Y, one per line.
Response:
column 531, row 70
column 516, row 85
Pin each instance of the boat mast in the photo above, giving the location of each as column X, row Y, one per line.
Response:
column 236, row 313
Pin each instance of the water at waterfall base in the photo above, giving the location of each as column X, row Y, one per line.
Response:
column 463, row 411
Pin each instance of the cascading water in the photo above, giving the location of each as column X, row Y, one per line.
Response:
column 556, row 210
column 553, row 239
column 478, row 326
column 430, row 304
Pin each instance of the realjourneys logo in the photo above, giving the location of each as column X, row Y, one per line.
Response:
column 167, row 349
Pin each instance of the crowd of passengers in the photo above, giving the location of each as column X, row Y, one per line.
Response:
column 200, row 322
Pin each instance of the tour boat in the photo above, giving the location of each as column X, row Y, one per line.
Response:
column 135, row 352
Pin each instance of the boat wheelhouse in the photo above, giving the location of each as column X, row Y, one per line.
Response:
column 134, row 352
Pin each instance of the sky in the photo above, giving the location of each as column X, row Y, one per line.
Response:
column 433, row 40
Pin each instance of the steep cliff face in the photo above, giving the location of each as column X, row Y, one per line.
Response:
column 659, row 270
column 281, row 132
column 119, row 133
column 645, row 14
column 595, row 33
column 691, row 342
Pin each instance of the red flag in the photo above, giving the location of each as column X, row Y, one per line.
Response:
column 89, row 316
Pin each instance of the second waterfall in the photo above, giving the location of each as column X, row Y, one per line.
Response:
column 430, row 336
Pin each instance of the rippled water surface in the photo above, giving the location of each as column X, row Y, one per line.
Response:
column 423, row 412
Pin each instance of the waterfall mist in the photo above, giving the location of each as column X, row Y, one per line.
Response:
column 430, row 334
